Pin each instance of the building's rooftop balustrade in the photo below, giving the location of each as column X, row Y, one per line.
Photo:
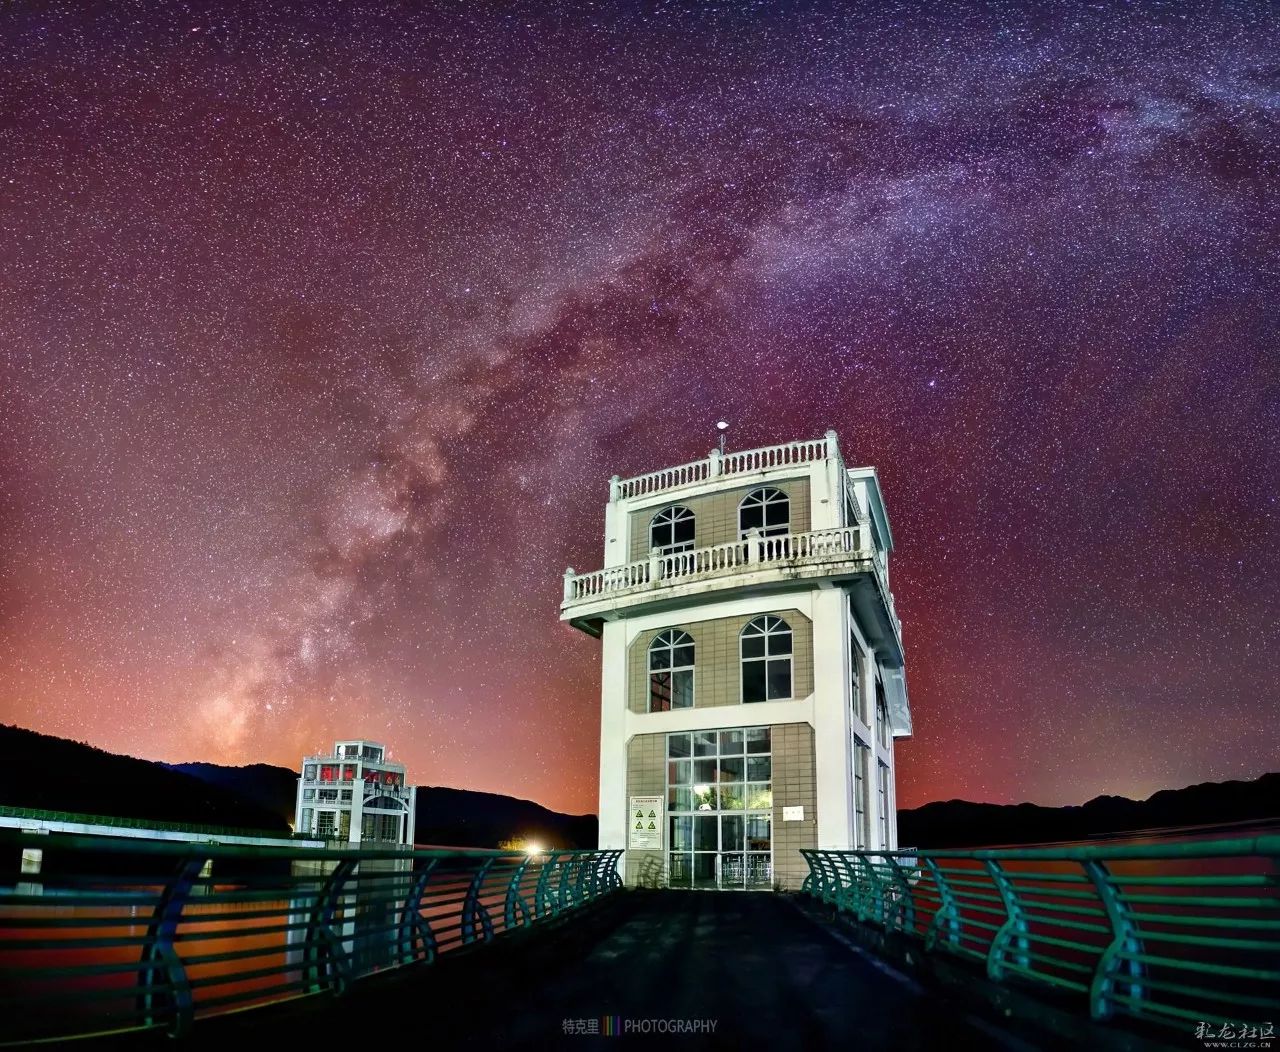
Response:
column 716, row 464
column 844, row 550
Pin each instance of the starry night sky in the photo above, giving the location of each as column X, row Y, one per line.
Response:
column 323, row 326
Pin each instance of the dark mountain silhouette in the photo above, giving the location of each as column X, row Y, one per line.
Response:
column 959, row 823
column 447, row 817
column 55, row 774
column 463, row 818
column 262, row 784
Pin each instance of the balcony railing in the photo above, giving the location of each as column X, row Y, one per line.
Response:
column 792, row 550
column 740, row 462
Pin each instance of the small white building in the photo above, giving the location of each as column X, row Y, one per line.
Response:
column 355, row 795
column 753, row 673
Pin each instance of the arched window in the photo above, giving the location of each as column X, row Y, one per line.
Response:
column 671, row 530
column 766, row 659
column 671, row 671
column 766, row 510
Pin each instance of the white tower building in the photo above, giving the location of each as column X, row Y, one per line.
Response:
column 753, row 679
column 355, row 795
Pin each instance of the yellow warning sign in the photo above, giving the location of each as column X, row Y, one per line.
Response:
column 652, row 826
column 653, row 814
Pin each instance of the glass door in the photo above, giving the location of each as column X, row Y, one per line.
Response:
column 720, row 809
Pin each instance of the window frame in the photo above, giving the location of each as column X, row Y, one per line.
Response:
column 673, row 518
column 882, row 790
column 861, row 793
column 677, row 638
column 715, row 812
column 764, row 501
column 766, row 632
column 882, row 729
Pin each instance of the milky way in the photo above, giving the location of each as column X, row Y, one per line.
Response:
column 324, row 326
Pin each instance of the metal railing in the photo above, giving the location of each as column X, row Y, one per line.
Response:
column 33, row 814
column 120, row 936
column 1181, row 933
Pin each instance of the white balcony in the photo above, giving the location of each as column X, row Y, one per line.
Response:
column 846, row 552
column 717, row 465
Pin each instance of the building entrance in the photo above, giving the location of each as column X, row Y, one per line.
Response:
column 720, row 809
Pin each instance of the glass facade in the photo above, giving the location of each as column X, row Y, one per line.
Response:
column 720, row 808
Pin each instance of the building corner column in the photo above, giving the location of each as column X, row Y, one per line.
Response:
column 612, row 806
column 833, row 768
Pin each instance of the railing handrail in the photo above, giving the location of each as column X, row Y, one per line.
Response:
column 1194, row 940
column 1266, row 844
column 183, row 848
column 36, row 814
column 83, row 952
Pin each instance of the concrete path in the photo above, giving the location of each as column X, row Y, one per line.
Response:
column 680, row 969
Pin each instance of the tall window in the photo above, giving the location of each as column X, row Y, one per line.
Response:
column 855, row 679
column 671, row 671
column 720, row 808
column 884, row 806
column 882, row 716
column 766, row 510
column 766, row 659
column 861, row 761
column 671, row 530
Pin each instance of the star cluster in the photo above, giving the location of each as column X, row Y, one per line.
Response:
column 323, row 325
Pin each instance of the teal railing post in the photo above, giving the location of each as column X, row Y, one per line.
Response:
column 876, row 899
column 819, row 878
column 161, row 964
column 515, row 904
column 1013, row 932
column 906, row 911
column 564, row 885
column 325, row 961
column 416, row 939
column 473, row 907
column 613, row 879
column 544, row 902
column 845, row 892
column 806, row 885
column 1118, row 956
column 948, row 913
